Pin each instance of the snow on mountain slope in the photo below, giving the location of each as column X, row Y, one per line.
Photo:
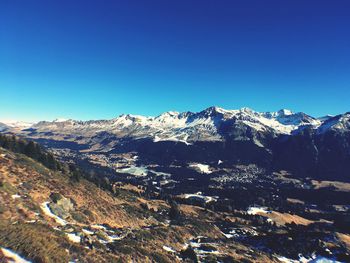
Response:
column 185, row 127
column 12, row 257
column 339, row 122
column 3, row 127
column 20, row 124
column 15, row 124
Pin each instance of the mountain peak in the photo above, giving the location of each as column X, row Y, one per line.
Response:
column 246, row 109
column 172, row 124
column 285, row 112
column 60, row 120
column 214, row 110
column 169, row 114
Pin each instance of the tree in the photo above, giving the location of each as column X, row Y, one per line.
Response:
column 190, row 254
column 174, row 212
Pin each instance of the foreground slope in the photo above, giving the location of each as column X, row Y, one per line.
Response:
column 46, row 216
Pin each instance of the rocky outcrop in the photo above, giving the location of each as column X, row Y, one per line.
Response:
column 61, row 206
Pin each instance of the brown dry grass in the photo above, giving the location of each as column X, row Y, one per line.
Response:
column 345, row 239
column 105, row 208
column 130, row 187
column 241, row 253
column 285, row 218
column 191, row 210
column 37, row 242
column 340, row 186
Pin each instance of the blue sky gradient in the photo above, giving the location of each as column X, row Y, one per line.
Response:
column 98, row 59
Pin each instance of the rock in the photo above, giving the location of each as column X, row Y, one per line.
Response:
column 62, row 207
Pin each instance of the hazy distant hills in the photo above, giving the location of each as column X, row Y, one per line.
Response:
column 283, row 140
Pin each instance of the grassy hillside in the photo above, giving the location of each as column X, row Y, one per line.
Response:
column 46, row 216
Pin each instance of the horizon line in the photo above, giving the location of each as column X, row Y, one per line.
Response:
column 32, row 121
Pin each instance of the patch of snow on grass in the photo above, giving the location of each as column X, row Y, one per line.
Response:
column 228, row 235
column 200, row 251
column 199, row 195
column 134, row 170
column 15, row 196
column 169, row 249
column 254, row 210
column 313, row 259
column 31, row 221
column 88, row 232
column 73, row 237
column 140, row 171
column 112, row 238
column 160, row 173
column 98, row 227
column 286, row 260
column 47, row 211
column 321, row 259
column 203, row 168
column 13, row 257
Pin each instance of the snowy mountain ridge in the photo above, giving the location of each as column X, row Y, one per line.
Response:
column 206, row 125
column 282, row 140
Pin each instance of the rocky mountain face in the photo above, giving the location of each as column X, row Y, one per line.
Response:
column 322, row 152
column 283, row 140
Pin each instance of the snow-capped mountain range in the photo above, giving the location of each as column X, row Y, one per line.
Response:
column 18, row 125
column 281, row 140
column 207, row 125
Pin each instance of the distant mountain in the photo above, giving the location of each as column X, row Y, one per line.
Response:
column 322, row 152
column 302, row 144
column 187, row 127
column 3, row 127
column 14, row 125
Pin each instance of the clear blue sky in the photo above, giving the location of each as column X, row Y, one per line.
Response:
column 98, row 59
